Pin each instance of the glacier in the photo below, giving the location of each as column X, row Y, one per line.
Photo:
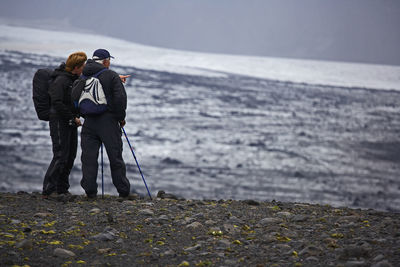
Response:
column 219, row 126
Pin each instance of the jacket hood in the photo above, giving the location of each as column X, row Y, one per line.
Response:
column 92, row 67
column 60, row 70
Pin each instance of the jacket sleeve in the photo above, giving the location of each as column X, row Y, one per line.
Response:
column 57, row 91
column 119, row 98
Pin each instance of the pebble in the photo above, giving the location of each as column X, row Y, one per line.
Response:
column 224, row 242
column 312, row 259
column 356, row 264
column 284, row 214
column 251, row 202
column 379, row 258
column 198, row 216
column 268, row 221
column 64, row 253
column 383, row 263
column 163, row 219
column 268, row 238
column 194, row 225
column 94, row 210
column 210, row 222
column 300, row 218
column 348, row 219
column 229, row 228
column 310, row 251
column 169, row 252
column 190, row 249
column 42, row 214
column 25, row 244
column 355, row 251
column 108, row 234
column 146, row 212
column 234, row 220
column 103, row 250
column 220, row 233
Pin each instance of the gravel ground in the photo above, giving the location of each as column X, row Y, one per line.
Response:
column 166, row 231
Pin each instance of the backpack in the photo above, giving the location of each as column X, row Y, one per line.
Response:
column 40, row 93
column 92, row 100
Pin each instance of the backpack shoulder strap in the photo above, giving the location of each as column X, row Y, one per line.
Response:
column 94, row 75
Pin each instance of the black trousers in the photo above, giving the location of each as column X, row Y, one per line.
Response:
column 65, row 142
column 96, row 130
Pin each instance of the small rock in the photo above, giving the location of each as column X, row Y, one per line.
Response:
column 383, row 263
column 284, row 247
column 284, row 214
column 103, row 250
column 251, row 202
column 198, row 216
column 163, row 219
column 310, row 251
column 169, row 252
column 13, row 221
column 300, row 218
column 268, row 238
column 184, row 263
column 42, row 214
column 229, row 228
column 230, row 263
column 379, row 257
column 356, row 264
column 194, row 225
column 189, row 249
column 355, row 251
column 94, row 210
column 312, row 259
column 234, row 220
column 161, row 194
column 210, row 222
column 128, row 203
column 146, row 212
column 268, row 221
column 63, row 253
column 224, row 243
column 72, row 228
column 103, row 237
column 107, row 235
column 187, row 220
column 348, row 219
column 25, row 244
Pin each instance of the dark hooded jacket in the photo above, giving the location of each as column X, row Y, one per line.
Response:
column 113, row 88
column 60, row 94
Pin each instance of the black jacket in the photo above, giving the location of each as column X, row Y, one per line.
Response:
column 60, row 94
column 112, row 87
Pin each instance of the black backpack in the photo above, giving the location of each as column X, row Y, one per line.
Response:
column 40, row 93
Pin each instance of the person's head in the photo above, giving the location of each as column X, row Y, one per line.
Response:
column 76, row 62
column 102, row 56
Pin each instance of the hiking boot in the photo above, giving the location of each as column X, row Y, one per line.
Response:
column 66, row 197
column 52, row 196
column 91, row 196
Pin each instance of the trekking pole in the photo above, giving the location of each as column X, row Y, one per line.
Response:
column 102, row 172
column 137, row 163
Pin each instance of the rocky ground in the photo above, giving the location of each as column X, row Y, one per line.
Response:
column 175, row 232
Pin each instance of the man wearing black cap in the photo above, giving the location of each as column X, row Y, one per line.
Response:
column 104, row 128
